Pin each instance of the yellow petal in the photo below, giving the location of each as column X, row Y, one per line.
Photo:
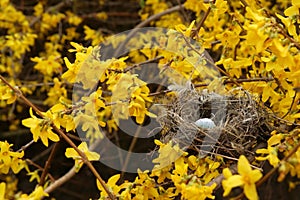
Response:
column 71, row 153
column 263, row 151
column 227, row 173
column 36, row 132
column 83, row 147
column 233, row 181
column 255, row 175
column 44, row 138
column 293, row 10
column 113, row 180
column 29, row 122
column 250, row 192
column 243, row 165
column 275, row 139
column 52, row 136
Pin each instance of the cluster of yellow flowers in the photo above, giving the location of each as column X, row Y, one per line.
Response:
column 248, row 40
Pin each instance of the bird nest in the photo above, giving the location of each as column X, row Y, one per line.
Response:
column 241, row 123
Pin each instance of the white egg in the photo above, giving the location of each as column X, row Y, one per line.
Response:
column 205, row 123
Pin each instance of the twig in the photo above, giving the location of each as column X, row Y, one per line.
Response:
column 200, row 24
column 132, row 144
column 144, row 23
column 55, row 7
column 291, row 106
column 61, row 180
column 63, row 135
column 26, row 146
column 136, row 65
column 48, row 163
column 244, row 3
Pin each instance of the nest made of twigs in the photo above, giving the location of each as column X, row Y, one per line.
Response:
column 241, row 123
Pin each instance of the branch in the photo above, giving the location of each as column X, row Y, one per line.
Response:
column 47, row 164
column 144, row 23
column 194, row 33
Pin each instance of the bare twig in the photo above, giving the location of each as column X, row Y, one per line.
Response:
column 55, row 7
column 200, row 24
column 132, row 144
column 48, row 163
column 26, row 146
column 61, row 180
column 145, row 23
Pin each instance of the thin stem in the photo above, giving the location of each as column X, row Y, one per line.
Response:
column 132, row 144
column 48, row 163
column 57, row 183
column 201, row 23
column 144, row 23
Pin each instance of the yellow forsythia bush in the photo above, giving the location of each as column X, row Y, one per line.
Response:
column 71, row 83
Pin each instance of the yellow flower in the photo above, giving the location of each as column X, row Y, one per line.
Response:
column 246, row 179
column 91, row 156
column 294, row 9
column 48, row 66
column 38, row 193
column 271, row 150
column 145, row 187
column 9, row 159
column 71, row 74
column 137, row 106
column 196, row 6
column 167, row 153
column 40, row 128
column 55, row 93
column 34, row 175
column 7, row 94
column 289, row 25
column 185, row 30
column 111, row 184
column 94, row 35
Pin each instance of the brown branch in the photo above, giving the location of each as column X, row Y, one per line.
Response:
column 145, row 23
column 63, row 135
column 201, row 23
column 278, row 82
column 136, row 65
column 129, row 152
column 55, row 7
column 47, row 164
